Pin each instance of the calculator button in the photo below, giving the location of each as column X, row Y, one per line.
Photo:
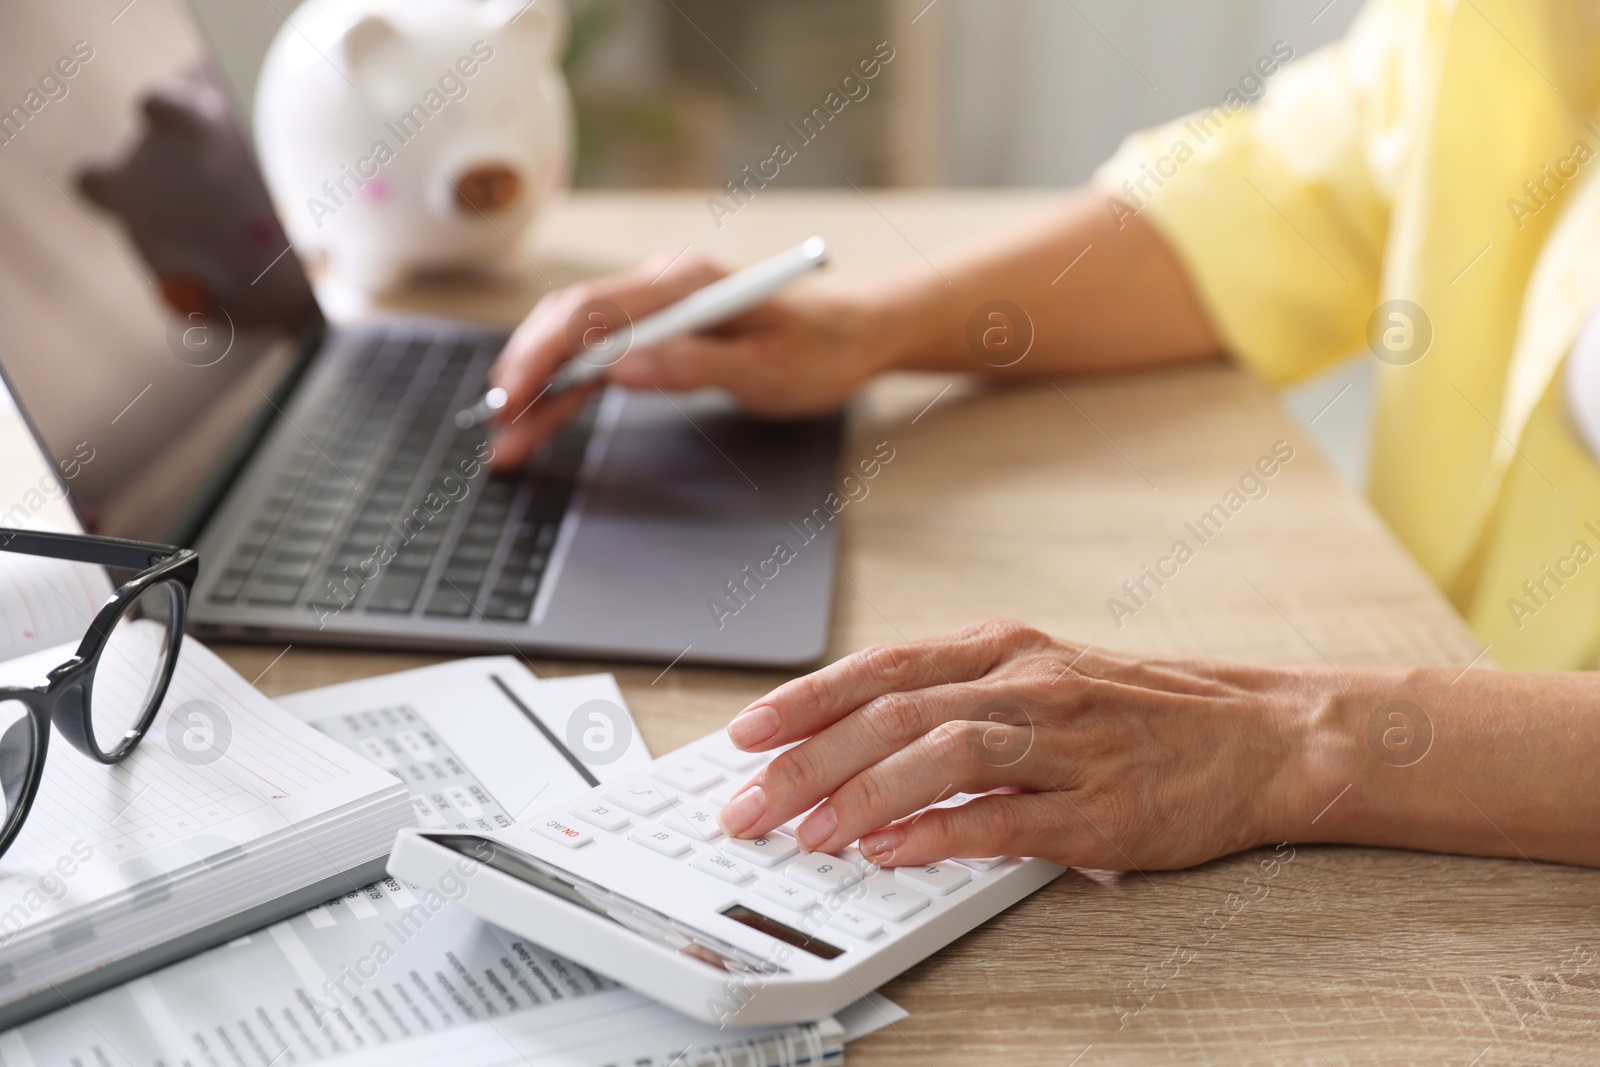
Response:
column 888, row 899
column 857, row 924
column 824, row 873
column 602, row 815
column 695, row 819
column 732, row 759
column 722, row 794
column 987, row 863
column 937, row 878
column 853, row 854
column 660, row 840
column 639, row 797
column 688, row 774
column 564, row 832
column 719, row 866
column 766, row 851
column 786, row 893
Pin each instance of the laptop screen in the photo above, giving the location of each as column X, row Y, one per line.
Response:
column 150, row 311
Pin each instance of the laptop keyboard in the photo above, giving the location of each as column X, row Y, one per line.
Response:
column 385, row 506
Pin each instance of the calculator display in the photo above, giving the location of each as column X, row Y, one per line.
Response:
column 642, row 920
column 782, row 931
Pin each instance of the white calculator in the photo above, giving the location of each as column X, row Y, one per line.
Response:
column 636, row 881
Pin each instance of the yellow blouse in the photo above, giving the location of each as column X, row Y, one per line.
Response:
column 1425, row 187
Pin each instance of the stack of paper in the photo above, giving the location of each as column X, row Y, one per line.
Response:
column 392, row 974
column 229, row 816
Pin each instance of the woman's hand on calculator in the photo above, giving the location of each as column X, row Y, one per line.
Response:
column 1087, row 758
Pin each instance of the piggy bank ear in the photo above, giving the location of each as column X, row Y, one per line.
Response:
column 365, row 37
column 98, row 184
column 542, row 22
column 167, row 109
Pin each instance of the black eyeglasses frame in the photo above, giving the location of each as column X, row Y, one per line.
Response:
column 63, row 699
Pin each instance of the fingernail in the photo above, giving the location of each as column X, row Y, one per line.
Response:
column 879, row 846
column 743, row 810
column 819, row 826
column 752, row 727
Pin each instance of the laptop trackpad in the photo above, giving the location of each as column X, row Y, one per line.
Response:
column 688, row 493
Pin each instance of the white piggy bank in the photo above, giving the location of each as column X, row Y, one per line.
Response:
column 402, row 137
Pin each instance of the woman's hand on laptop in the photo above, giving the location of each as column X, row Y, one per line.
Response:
column 807, row 349
column 1096, row 759
column 799, row 353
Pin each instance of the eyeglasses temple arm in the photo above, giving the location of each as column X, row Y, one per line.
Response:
column 86, row 548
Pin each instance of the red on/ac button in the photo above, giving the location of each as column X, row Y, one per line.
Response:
column 564, row 832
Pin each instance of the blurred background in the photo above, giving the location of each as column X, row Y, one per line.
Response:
column 684, row 93
column 982, row 92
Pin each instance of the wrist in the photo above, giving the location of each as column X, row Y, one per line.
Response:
column 1315, row 711
column 904, row 324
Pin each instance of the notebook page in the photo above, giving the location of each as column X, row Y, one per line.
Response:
column 97, row 830
column 46, row 602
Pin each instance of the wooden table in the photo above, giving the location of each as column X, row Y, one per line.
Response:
column 1038, row 502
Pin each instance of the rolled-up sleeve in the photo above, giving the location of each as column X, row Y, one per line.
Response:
column 1279, row 210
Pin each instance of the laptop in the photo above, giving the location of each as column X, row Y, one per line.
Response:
column 171, row 359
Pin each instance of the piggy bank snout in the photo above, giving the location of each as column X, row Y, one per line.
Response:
column 486, row 187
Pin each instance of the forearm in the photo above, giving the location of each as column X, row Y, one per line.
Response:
column 1486, row 763
column 1101, row 294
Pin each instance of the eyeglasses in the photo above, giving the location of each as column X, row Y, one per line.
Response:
column 105, row 697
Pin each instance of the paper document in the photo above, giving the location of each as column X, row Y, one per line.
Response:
column 489, row 717
column 391, row 970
